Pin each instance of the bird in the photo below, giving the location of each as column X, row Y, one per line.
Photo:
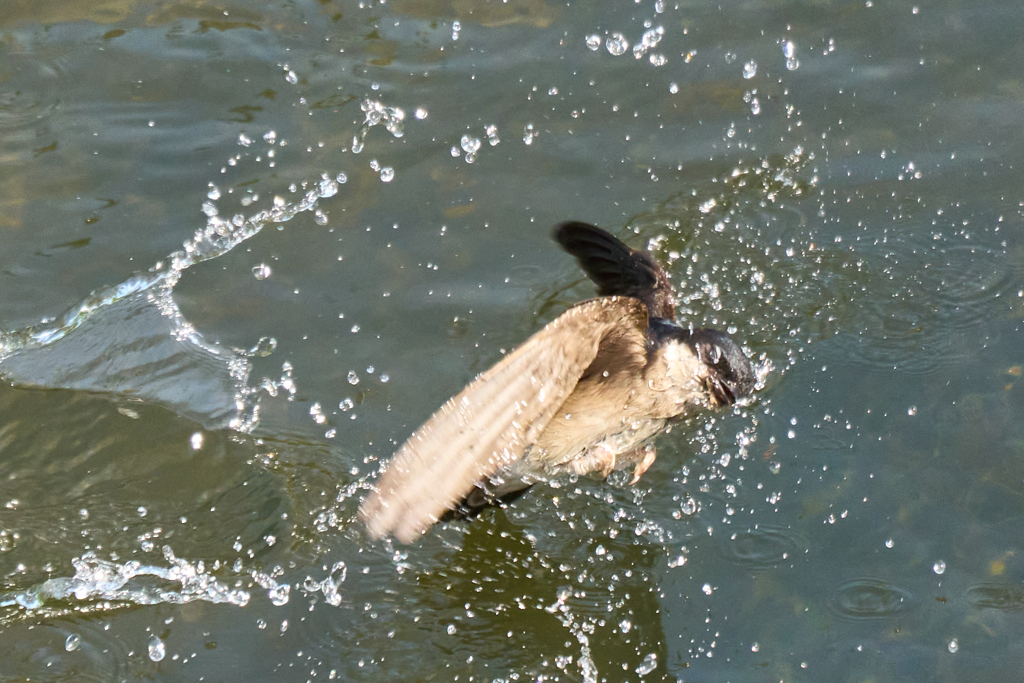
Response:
column 586, row 394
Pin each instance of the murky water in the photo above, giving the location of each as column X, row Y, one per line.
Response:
column 247, row 249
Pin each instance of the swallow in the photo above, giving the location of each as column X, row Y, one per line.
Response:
column 584, row 395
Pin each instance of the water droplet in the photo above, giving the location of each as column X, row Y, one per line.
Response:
column 673, row 87
column 649, row 664
column 420, row 113
column 279, row 595
column 492, row 134
column 750, row 69
column 594, row 42
column 261, row 272
column 616, row 44
column 291, row 77
column 387, row 174
column 196, row 441
column 789, row 50
column 451, row 629
column 730, row 57
column 353, row 378
column 264, row 347
column 528, row 134
column 912, row 410
column 470, row 146
column 384, row 378
column 939, row 567
column 72, row 643
column 707, row 589
column 689, row 506
column 346, row 405
column 156, row 649
column 755, row 647
column 954, row 645
column 889, row 543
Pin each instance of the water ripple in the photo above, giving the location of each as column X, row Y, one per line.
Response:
column 763, row 547
column 869, row 599
column 994, row 595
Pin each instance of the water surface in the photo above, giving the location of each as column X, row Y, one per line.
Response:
column 247, row 249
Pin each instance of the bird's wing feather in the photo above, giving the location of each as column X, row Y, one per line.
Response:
column 490, row 423
column 616, row 269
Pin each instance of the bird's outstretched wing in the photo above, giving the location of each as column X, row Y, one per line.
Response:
column 616, row 269
column 490, row 423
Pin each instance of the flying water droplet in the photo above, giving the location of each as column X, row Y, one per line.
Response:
column 616, row 44
column 789, row 51
column 279, row 595
column 470, row 146
column 649, row 664
column 72, row 643
column 156, row 649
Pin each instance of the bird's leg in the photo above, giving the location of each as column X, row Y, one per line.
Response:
column 600, row 459
column 646, row 454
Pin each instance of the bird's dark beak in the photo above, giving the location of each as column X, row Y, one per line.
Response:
column 720, row 392
column 728, row 375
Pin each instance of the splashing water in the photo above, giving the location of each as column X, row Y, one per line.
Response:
column 102, row 580
column 132, row 337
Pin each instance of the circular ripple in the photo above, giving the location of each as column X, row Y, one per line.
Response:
column 966, row 277
column 870, row 599
column 764, row 547
column 68, row 649
column 18, row 110
column 996, row 596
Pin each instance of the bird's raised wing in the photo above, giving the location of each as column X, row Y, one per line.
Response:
column 616, row 269
column 489, row 424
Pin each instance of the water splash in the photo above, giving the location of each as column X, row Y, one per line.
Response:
column 132, row 338
column 98, row 580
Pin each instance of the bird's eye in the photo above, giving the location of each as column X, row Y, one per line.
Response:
column 716, row 354
column 712, row 354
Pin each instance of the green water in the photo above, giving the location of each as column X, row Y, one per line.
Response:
column 246, row 249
